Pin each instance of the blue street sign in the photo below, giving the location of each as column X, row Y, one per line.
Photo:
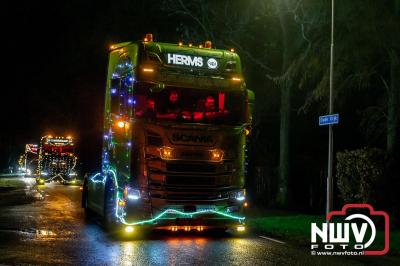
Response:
column 329, row 119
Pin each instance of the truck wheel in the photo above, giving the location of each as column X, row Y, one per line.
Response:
column 84, row 202
column 109, row 219
column 84, row 195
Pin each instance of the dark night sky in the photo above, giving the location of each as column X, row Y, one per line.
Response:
column 55, row 58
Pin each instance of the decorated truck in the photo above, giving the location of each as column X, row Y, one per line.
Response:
column 176, row 123
column 56, row 160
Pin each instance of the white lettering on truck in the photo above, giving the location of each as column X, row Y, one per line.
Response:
column 186, row 60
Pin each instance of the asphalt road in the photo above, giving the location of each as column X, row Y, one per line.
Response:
column 53, row 230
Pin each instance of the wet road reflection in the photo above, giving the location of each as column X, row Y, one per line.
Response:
column 54, row 231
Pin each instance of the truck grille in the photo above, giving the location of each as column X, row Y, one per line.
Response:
column 154, row 139
column 190, row 167
column 211, row 181
column 189, row 180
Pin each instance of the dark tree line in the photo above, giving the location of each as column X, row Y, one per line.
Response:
column 284, row 46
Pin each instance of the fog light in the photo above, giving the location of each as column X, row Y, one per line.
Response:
column 129, row 229
column 240, row 228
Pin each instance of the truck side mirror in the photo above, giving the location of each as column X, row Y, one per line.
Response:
column 250, row 106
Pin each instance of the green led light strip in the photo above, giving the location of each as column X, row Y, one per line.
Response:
column 168, row 211
column 190, row 214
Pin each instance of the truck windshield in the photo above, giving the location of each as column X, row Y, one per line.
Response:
column 188, row 105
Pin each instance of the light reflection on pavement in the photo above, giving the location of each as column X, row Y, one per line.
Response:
column 54, row 231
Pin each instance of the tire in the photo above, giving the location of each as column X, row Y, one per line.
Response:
column 109, row 219
column 85, row 192
column 84, row 202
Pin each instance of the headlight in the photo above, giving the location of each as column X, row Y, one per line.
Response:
column 239, row 195
column 44, row 173
column 216, row 155
column 131, row 194
column 167, row 153
column 72, row 174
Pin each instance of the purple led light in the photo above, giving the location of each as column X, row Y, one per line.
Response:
column 129, row 144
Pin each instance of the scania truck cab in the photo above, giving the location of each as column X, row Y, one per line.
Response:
column 176, row 122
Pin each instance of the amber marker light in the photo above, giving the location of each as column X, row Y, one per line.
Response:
column 148, row 70
column 216, row 155
column 121, row 203
column 121, row 124
column 167, row 153
column 236, row 79
column 148, row 37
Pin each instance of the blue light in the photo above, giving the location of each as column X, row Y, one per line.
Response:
column 130, row 101
column 129, row 143
column 105, row 136
column 113, row 91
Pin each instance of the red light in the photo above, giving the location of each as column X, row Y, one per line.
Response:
column 210, row 103
column 173, row 96
column 151, row 104
column 208, row 44
column 221, row 101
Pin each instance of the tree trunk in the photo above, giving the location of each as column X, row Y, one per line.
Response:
column 284, row 83
column 284, row 141
column 393, row 119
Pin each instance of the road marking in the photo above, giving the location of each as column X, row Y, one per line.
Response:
column 271, row 239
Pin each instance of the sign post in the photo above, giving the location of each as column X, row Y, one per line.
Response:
column 329, row 120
